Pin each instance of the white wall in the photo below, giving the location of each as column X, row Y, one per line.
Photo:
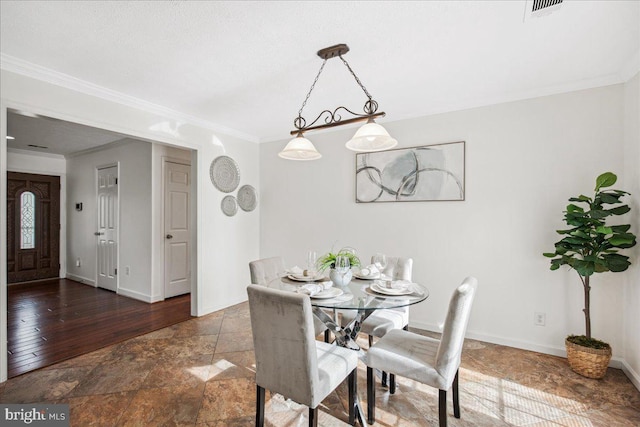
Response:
column 632, row 185
column 134, row 229
column 45, row 164
column 224, row 245
column 523, row 161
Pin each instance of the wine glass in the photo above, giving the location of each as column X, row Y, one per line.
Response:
column 312, row 258
column 342, row 266
column 380, row 261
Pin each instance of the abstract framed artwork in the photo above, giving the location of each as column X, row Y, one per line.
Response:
column 415, row 174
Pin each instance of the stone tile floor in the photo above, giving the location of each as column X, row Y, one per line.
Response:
column 200, row 373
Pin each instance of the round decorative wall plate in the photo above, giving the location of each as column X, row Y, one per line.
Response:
column 247, row 198
column 225, row 174
column 229, row 205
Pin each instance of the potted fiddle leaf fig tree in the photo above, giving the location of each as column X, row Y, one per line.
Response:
column 591, row 245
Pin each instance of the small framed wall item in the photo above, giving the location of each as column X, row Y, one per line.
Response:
column 416, row 174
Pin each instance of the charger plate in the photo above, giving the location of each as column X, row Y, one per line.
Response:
column 224, row 173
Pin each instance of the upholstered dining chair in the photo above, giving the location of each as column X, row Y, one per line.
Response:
column 265, row 270
column 382, row 321
column 289, row 360
column 426, row 360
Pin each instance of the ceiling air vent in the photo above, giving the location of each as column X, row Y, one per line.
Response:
column 539, row 8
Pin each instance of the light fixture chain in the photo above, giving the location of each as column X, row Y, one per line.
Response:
column 311, row 90
column 356, row 77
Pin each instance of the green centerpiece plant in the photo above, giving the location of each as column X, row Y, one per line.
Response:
column 328, row 260
column 591, row 245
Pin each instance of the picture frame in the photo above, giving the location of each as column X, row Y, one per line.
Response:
column 414, row 174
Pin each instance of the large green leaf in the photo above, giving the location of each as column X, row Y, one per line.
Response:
column 617, row 262
column 623, row 240
column 580, row 233
column 620, row 210
column 597, row 213
column 604, row 230
column 620, row 228
column 584, row 268
column 601, row 268
column 573, row 208
column 607, row 179
column 609, row 198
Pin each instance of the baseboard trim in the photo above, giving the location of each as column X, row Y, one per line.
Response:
column 134, row 294
column 616, row 362
column 633, row 376
column 81, row 279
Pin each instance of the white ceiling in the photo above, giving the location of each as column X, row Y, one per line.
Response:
column 52, row 136
column 247, row 65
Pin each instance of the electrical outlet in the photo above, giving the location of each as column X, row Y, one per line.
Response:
column 127, row 270
column 539, row 319
column 78, row 263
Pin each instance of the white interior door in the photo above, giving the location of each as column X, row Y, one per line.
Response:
column 177, row 257
column 107, row 234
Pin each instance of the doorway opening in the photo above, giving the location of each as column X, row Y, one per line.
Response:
column 66, row 141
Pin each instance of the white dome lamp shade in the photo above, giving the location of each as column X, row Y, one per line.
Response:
column 300, row 148
column 371, row 137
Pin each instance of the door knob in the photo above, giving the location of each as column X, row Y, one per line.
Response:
column 98, row 233
column 169, row 236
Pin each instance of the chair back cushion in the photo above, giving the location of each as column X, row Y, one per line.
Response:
column 455, row 326
column 398, row 268
column 284, row 342
column 264, row 270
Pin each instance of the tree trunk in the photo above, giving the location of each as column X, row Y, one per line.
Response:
column 587, row 311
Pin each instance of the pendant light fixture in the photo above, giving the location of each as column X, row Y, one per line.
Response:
column 370, row 137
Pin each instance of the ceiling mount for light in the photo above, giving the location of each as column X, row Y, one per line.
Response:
column 370, row 137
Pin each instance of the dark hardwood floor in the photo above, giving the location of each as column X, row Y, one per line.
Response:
column 58, row 319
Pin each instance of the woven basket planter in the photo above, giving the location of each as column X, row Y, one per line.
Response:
column 586, row 361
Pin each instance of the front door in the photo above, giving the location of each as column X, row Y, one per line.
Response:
column 107, row 234
column 177, row 258
column 33, row 227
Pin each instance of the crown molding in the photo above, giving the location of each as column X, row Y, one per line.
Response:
column 34, row 153
column 25, row 68
column 107, row 146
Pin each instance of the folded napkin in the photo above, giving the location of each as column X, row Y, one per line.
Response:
column 312, row 289
column 369, row 270
column 400, row 285
column 295, row 270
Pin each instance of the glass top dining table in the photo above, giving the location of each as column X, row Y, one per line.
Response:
column 362, row 296
column 359, row 294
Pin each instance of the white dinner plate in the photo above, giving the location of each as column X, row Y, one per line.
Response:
column 301, row 278
column 329, row 293
column 363, row 277
column 390, row 291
